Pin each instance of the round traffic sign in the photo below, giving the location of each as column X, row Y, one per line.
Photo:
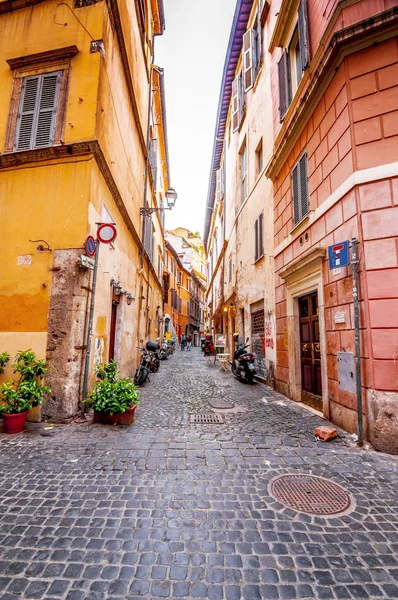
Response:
column 106, row 233
column 89, row 246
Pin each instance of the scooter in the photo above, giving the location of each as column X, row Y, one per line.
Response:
column 142, row 372
column 242, row 366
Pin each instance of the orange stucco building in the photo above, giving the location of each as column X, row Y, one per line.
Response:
column 176, row 295
column 334, row 77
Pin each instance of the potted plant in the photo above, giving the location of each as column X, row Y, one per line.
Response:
column 22, row 394
column 114, row 399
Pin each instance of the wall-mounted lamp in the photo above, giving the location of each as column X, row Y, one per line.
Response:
column 129, row 298
column 171, row 197
column 225, row 309
column 117, row 288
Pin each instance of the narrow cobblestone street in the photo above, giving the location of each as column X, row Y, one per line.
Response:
column 169, row 509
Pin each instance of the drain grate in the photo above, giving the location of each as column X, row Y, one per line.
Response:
column 206, row 418
column 310, row 494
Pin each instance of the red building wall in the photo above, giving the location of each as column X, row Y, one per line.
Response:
column 351, row 140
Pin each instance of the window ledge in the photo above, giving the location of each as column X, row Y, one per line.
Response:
column 301, row 223
column 257, row 260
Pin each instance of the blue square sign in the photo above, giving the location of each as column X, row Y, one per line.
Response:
column 339, row 255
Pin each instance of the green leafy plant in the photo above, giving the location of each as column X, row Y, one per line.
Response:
column 26, row 391
column 112, row 394
column 4, row 358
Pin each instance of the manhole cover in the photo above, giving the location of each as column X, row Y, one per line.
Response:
column 310, row 494
column 212, row 418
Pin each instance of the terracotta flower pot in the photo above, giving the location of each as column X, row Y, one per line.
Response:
column 14, row 423
column 125, row 418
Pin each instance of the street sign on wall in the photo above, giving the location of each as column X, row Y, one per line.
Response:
column 106, row 233
column 89, row 246
column 339, row 255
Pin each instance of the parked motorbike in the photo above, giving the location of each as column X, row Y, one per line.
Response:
column 142, row 372
column 242, row 366
column 152, row 349
column 164, row 351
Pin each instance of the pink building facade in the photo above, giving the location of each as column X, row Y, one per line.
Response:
column 334, row 84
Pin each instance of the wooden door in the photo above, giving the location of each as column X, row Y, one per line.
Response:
column 112, row 333
column 311, row 380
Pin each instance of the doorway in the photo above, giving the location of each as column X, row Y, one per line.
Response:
column 310, row 351
column 112, row 335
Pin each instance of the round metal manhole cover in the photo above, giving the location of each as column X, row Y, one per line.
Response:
column 310, row 494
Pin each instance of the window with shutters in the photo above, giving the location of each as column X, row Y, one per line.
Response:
column 258, row 237
column 259, row 157
column 252, row 49
column 220, row 179
column 238, row 102
column 243, row 173
column 37, row 111
column 153, row 160
column 300, row 190
column 294, row 60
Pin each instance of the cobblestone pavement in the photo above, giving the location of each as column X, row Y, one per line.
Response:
column 168, row 509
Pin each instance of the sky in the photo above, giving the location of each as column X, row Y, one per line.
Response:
column 192, row 51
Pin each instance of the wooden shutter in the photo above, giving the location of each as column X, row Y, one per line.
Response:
column 50, row 84
column 256, row 239
column 304, row 195
column 26, row 115
column 241, row 97
column 235, row 104
column 38, row 111
column 153, row 159
column 284, row 84
column 219, row 184
column 260, row 235
column 248, row 60
column 296, row 194
column 300, row 190
column 303, row 35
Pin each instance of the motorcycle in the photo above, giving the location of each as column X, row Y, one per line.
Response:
column 242, row 365
column 164, row 351
column 152, row 349
column 142, row 372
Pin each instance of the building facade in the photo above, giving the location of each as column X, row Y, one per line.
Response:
column 305, row 158
column 334, row 76
column 74, row 143
column 239, row 222
column 176, row 294
column 192, row 254
column 196, row 314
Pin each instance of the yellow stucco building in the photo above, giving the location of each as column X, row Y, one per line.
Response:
column 76, row 119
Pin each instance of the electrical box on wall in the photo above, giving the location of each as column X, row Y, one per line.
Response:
column 346, row 371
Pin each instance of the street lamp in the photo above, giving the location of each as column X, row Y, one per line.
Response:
column 171, row 197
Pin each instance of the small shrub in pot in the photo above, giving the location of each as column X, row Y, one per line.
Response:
column 113, row 398
column 23, row 393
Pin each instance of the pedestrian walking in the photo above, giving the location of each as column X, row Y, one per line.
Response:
column 183, row 341
column 189, row 342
